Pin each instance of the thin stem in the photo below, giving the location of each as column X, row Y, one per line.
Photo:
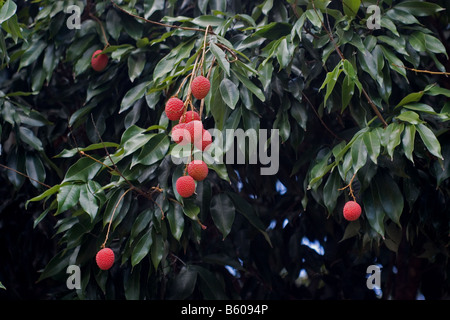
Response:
column 320, row 119
column 23, row 174
column 158, row 23
column 341, row 55
column 103, row 30
column 112, row 216
column 423, row 71
column 349, row 186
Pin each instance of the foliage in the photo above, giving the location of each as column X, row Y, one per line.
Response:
column 354, row 107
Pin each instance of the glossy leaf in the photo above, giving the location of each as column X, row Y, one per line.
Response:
column 222, row 212
column 430, row 140
column 142, row 248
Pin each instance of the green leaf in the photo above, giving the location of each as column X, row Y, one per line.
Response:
column 222, row 213
column 229, row 92
column 331, row 191
column 374, row 209
column 45, row 194
column 422, row 107
column 351, row 7
column 393, row 137
column 133, row 95
column 248, row 83
column 27, row 136
column 183, row 284
column 88, row 200
column 142, row 248
column 246, row 209
column 35, row 169
column 68, row 196
column 408, row 141
column 359, row 154
column 419, row 8
column 430, row 140
column 315, row 17
column 32, row 53
column 372, row 143
column 7, row 11
column 273, row 30
column 285, row 53
column 83, row 170
column 136, row 64
column 141, row 222
column 412, row 97
column 348, row 89
column 72, row 152
column 393, row 61
column 220, row 58
column 410, row 117
column 157, row 250
column 176, row 220
column 154, row 150
column 390, row 196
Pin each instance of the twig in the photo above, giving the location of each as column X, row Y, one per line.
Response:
column 341, row 55
column 320, row 119
column 103, row 29
column 423, row 71
column 23, row 174
column 158, row 23
column 349, row 186
column 112, row 216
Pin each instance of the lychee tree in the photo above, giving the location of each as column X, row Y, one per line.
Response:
column 92, row 119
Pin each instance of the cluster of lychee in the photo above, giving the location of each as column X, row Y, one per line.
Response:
column 190, row 130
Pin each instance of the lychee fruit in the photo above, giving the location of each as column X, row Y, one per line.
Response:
column 174, row 108
column 198, row 170
column 185, row 186
column 105, row 258
column 195, row 129
column 205, row 142
column 99, row 61
column 200, row 87
column 180, row 135
column 189, row 116
column 352, row 210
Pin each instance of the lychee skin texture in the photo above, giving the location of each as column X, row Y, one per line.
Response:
column 185, row 186
column 205, row 142
column 99, row 61
column 105, row 258
column 195, row 129
column 198, row 170
column 174, row 108
column 352, row 211
column 180, row 135
column 200, row 87
column 189, row 116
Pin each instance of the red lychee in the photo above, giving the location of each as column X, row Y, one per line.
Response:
column 105, row 258
column 352, row 210
column 174, row 108
column 200, row 87
column 189, row 116
column 99, row 61
column 185, row 186
column 205, row 142
column 195, row 129
column 198, row 170
column 180, row 135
